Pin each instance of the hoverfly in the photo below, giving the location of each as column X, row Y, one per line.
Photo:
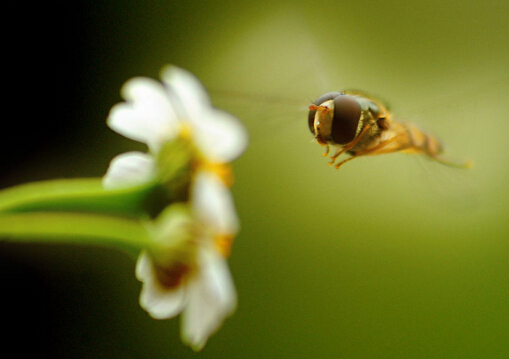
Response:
column 361, row 126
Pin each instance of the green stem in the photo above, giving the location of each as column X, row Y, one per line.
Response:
column 75, row 228
column 78, row 211
column 74, row 195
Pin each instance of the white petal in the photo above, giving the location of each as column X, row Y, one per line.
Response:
column 159, row 302
column 129, row 169
column 212, row 298
column 221, row 137
column 213, row 203
column 148, row 116
column 188, row 92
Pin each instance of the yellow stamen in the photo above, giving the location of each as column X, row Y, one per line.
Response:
column 222, row 170
column 224, row 244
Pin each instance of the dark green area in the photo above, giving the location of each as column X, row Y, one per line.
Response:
column 389, row 257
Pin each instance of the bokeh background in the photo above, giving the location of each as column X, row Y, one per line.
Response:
column 389, row 257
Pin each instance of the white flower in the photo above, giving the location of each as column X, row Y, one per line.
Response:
column 156, row 113
column 188, row 275
column 206, row 294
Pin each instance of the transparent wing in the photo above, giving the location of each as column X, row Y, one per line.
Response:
column 266, row 117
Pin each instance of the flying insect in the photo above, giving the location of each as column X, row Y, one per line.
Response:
column 360, row 126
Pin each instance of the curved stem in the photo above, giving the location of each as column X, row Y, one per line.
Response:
column 75, row 228
column 76, row 195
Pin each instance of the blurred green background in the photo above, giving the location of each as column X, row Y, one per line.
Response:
column 389, row 257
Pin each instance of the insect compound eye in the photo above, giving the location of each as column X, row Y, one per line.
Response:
column 311, row 115
column 347, row 113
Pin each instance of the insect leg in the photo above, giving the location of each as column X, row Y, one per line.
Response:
column 326, row 151
column 372, row 151
column 349, row 145
column 344, row 161
column 453, row 163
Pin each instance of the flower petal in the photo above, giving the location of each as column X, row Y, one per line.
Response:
column 187, row 91
column 212, row 298
column 220, row 136
column 148, row 116
column 213, row 203
column 129, row 169
column 159, row 302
